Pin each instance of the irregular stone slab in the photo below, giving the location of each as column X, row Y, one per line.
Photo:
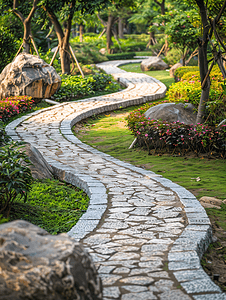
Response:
column 200, row 285
column 29, row 75
column 109, row 279
column 34, row 265
column 139, row 296
column 172, row 112
column 112, row 292
column 139, row 280
column 174, row 295
column 135, row 288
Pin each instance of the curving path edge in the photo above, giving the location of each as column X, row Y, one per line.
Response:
column 154, row 232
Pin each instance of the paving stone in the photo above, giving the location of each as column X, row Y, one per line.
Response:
column 124, row 255
column 139, row 296
column 139, row 280
column 174, row 295
column 210, row 297
column 135, row 288
column 112, row 292
column 121, row 271
column 200, row 285
column 182, row 276
column 105, row 269
column 109, row 279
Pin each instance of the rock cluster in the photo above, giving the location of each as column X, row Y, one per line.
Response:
column 29, row 75
column 37, row 265
column 172, row 112
column 153, row 63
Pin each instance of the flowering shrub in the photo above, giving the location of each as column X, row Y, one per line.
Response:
column 12, row 106
column 176, row 137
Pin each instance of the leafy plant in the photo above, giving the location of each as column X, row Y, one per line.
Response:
column 51, row 204
column 15, row 176
column 74, row 87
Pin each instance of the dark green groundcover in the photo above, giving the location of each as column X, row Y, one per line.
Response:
column 52, row 205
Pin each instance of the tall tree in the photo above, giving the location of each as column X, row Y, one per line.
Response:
column 210, row 24
column 61, row 14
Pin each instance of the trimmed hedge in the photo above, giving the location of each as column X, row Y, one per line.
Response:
column 119, row 56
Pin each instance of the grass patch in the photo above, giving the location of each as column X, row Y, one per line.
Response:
column 161, row 75
column 52, row 205
column 108, row 133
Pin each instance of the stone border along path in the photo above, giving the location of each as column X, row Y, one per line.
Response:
column 146, row 234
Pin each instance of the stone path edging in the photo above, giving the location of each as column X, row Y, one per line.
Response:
column 187, row 250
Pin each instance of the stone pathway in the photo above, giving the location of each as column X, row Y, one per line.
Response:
column 145, row 234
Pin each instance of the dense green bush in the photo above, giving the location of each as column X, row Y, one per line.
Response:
column 74, row 87
column 119, row 56
column 15, row 176
column 173, row 56
column 181, row 71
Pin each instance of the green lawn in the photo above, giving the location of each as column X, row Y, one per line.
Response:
column 108, row 133
column 163, row 76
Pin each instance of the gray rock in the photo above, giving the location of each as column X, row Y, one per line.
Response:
column 40, row 169
column 172, row 112
column 173, row 69
column 37, row 265
column 29, row 75
column 153, row 63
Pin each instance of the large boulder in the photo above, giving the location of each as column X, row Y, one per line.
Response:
column 37, row 265
column 173, row 69
column 29, row 75
column 40, row 169
column 153, row 63
column 171, row 112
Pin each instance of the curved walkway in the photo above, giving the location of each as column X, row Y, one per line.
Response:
column 145, row 234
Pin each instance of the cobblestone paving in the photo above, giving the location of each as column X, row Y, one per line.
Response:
column 145, row 234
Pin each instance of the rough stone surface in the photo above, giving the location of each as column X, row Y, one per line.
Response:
column 153, row 63
column 173, row 69
column 172, row 112
column 40, row 169
column 37, row 265
column 29, row 75
column 210, row 202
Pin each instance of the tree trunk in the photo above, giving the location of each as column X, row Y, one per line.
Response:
column 26, row 38
column 120, row 28
column 81, row 33
column 109, row 33
column 203, row 62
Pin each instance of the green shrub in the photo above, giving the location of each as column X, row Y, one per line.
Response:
column 173, row 56
column 74, row 87
column 15, row 176
column 119, row 56
column 182, row 70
